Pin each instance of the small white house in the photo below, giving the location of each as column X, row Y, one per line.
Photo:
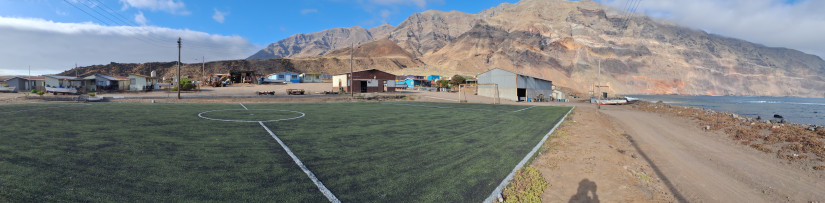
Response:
column 141, row 82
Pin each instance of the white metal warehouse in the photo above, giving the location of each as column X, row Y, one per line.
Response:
column 513, row 86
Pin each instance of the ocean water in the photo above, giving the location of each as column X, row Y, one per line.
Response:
column 800, row 110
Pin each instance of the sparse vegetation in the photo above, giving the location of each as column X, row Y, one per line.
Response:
column 526, row 186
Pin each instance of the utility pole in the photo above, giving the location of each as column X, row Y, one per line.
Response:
column 203, row 71
column 178, row 83
column 75, row 70
column 351, row 49
column 599, row 101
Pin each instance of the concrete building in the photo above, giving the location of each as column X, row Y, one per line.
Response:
column 370, row 80
column 310, row 77
column 99, row 81
column 16, row 83
column 63, row 81
column 142, row 83
column 513, row 86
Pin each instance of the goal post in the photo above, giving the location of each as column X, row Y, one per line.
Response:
column 489, row 89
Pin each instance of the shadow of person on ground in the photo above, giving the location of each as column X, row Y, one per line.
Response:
column 586, row 193
column 676, row 194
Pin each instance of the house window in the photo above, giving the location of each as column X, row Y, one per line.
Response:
column 132, row 81
column 294, row 77
column 280, row 76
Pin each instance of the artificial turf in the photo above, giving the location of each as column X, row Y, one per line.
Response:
column 366, row 151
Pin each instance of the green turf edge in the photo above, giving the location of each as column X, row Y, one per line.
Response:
column 524, row 161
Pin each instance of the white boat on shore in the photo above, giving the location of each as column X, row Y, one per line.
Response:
column 61, row 90
column 613, row 101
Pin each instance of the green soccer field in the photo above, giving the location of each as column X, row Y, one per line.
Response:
column 366, row 151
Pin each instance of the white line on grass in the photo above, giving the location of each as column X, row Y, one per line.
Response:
column 311, row 175
column 524, row 109
column 524, row 161
column 244, row 107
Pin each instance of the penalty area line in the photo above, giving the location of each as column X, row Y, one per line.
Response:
column 311, row 175
column 244, row 107
column 509, row 177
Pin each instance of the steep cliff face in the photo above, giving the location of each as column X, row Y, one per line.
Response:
column 315, row 44
column 568, row 41
column 426, row 32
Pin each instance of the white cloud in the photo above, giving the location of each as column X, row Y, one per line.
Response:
column 770, row 22
column 171, row 6
column 308, row 11
column 385, row 13
column 140, row 19
column 219, row 16
column 52, row 47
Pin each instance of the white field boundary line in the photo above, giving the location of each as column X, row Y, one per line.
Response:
column 244, row 107
column 524, row 109
column 311, row 175
column 445, row 107
column 251, row 121
column 524, row 161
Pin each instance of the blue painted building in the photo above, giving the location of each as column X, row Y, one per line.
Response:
column 287, row 77
column 433, row 77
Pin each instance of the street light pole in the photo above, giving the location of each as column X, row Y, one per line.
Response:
column 179, row 86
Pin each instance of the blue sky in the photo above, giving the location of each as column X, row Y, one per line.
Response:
column 261, row 22
column 54, row 35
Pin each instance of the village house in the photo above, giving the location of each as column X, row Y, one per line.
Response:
column 371, row 80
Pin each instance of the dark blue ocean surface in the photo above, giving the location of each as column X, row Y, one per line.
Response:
column 800, row 110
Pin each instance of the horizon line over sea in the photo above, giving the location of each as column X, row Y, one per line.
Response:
column 799, row 110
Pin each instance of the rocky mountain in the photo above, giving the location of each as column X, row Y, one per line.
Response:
column 315, row 44
column 567, row 42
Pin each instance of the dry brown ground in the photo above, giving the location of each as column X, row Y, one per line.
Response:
column 589, row 160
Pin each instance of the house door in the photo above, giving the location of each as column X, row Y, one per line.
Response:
column 522, row 94
column 363, row 86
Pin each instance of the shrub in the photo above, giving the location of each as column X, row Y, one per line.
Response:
column 526, row 186
column 457, row 79
column 91, row 94
column 34, row 91
column 41, row 93
column 442, row 83
column 185, row 84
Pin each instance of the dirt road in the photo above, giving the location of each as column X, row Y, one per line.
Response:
column 707, row 167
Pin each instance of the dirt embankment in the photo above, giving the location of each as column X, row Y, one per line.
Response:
column 692, row 149
column 799, row 143
column 588, row 159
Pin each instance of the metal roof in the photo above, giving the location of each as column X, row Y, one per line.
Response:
column 517, row 73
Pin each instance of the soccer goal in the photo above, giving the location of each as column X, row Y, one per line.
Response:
column 481, row 89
